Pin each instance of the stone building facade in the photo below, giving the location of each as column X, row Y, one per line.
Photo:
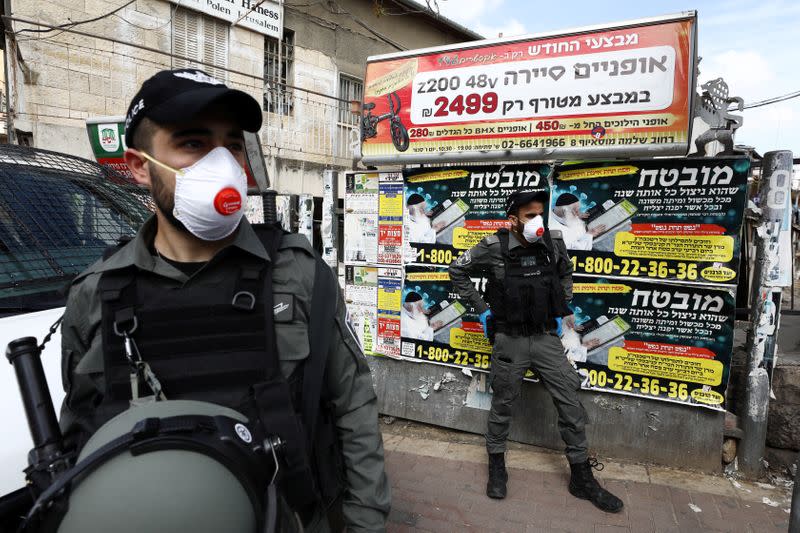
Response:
column 57, row 79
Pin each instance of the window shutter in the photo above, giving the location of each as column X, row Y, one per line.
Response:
column 200, row 38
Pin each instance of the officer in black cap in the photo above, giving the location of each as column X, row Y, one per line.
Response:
column 530, row 284
column 224, row 312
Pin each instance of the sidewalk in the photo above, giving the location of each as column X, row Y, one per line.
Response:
column 438, row 483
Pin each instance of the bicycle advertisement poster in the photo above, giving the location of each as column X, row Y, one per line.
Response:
column 621, row 91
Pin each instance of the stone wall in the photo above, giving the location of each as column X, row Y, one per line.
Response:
column 64, row 78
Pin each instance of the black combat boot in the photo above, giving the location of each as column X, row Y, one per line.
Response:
column 582, row 484
column 498, row 476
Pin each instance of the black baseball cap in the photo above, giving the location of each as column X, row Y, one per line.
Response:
column 520, row 198
column 177, row 95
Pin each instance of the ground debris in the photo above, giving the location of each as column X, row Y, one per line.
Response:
column 769, row 502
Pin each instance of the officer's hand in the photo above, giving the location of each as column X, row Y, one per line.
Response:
column 485, row 316
column 559, row 329
column 567, row 322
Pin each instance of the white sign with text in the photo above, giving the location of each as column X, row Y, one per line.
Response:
column 260, row 16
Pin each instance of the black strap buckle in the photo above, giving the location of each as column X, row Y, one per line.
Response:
column 125, row 322
column 244, row 301
column 146, row 428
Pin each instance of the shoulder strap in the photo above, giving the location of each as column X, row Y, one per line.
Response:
column 551, row 249
column 323, row 313
column 503, row 236
column 270, row 236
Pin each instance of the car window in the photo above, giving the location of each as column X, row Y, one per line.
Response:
column 57, row 216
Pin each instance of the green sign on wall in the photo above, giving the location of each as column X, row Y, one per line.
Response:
column 107, row 138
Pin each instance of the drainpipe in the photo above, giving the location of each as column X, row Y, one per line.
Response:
column 10, row 49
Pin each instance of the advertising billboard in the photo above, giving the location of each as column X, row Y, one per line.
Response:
column 610, row 91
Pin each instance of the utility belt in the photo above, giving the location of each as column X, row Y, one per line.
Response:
column 522, row 330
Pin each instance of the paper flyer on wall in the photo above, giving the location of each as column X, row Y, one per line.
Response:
column 361, row 297
column 361, row 218
column 655, row 340
column 390, row 218
column 361, row 238
column 449, row 210
column 671, row 219
column 390, row 284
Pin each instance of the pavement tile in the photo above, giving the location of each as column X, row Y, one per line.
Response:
column 612, row 529
column 390, row 442
column 533, row 528
column 707, row 503
column 435, row 526
column 543, row 462
column 641, row 521
column 677, row 478
column 399, row 528
column 447, row 513
column 402, row 517
column 572, row 524
column 726, row 502
column 610, row 519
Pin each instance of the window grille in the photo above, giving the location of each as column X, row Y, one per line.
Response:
column 278, row 73
column 350, row 88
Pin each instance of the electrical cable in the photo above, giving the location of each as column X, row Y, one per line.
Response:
column 48, row 40
column 773, row 100
column 73, row 24
column 342, row 11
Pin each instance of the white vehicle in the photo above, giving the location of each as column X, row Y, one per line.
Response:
column 58, row 213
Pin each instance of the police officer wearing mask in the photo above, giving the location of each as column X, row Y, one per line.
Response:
column 530, row 283
column 202, row 306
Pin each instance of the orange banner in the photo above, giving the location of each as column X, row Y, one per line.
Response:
column 625, row 90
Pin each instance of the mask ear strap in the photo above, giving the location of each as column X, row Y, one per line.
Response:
column 157, row 162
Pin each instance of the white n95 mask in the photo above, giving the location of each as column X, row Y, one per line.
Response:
column 209, row 195
column 533, row 229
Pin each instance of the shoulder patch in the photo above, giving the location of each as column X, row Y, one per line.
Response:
column 492, row 239
column 464, row 259
column 556, row 234
column 295, row 240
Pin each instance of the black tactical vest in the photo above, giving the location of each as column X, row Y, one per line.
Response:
column 215, row 342
column 529, row 298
